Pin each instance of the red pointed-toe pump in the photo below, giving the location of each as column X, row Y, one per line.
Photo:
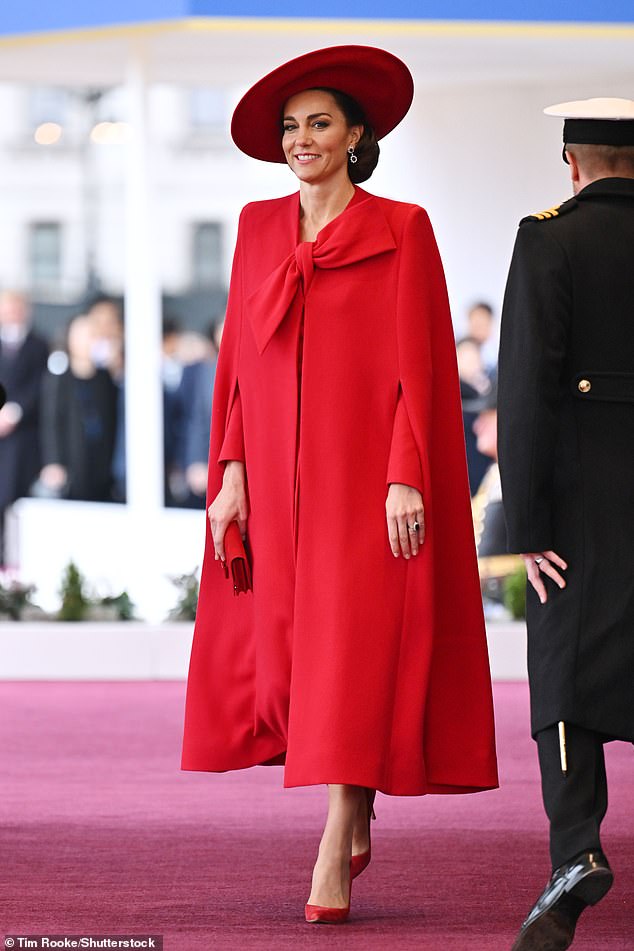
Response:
column 360, row 862
column 318, row 914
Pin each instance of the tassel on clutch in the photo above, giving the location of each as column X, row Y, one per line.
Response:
column 236, row 564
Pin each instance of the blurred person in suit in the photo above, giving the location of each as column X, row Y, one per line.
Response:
column 196, row 389
column 481, row 328
column 494, row 562
column 106, row 317
column 474, row 385
column 23, row 356
column 79, row 408
column 107, row 351
column 171, row 376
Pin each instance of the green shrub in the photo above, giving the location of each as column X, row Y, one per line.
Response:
column 14, row 598
column 122, row 604
column 75, row 603
column 185, row 607
column 515, row 593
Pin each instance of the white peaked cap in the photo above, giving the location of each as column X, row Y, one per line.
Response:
column 601, row 108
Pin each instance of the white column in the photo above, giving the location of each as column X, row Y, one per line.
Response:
column 143, row 389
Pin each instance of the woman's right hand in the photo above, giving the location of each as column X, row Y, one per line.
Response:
column 230, row 503
column 404, row 509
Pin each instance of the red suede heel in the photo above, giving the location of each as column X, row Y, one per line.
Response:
column 316, row 914
column 360, row 862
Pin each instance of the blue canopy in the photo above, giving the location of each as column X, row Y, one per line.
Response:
column 33, row 16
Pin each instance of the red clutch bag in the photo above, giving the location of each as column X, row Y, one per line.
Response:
column 236, row 564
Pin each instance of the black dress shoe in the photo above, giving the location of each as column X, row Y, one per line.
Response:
column 551, row 924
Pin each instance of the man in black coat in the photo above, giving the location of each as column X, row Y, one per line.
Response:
column 23, row 357
column 566, row 446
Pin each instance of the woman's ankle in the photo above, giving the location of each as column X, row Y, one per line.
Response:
column 335, row 848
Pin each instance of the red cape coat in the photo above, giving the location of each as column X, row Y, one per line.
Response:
column 337, row 375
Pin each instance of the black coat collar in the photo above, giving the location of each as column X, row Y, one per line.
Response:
column 608, row 188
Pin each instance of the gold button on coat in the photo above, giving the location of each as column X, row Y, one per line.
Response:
column 585, row 386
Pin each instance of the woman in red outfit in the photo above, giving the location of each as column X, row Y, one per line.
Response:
column 359, row 658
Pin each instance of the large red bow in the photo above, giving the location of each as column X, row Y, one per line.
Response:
column 359, row 232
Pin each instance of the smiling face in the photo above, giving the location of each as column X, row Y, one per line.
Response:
column 316, row 137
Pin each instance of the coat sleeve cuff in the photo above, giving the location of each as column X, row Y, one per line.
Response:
column 404, row 462
column 233, row 443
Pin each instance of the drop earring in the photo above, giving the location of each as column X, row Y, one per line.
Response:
column 353, row 158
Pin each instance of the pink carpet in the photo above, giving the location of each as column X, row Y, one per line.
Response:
column 102, row 833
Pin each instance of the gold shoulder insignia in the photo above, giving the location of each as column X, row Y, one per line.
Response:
column 555, row 212
column 549, row 213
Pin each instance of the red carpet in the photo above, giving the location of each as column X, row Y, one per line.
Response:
column 101, row 832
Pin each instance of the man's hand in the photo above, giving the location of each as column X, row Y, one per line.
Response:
column 544, row 561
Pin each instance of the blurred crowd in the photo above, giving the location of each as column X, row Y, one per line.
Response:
column 62, row 429
column 477, row 367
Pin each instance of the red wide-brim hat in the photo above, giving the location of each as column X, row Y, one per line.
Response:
column 379, row 81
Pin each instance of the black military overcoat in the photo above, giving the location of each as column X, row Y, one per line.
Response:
column 566, row 444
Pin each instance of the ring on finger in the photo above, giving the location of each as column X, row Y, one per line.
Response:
column 413, row 529
column 539, row 560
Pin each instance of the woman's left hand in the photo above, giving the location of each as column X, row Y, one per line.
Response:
column 404, row 507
